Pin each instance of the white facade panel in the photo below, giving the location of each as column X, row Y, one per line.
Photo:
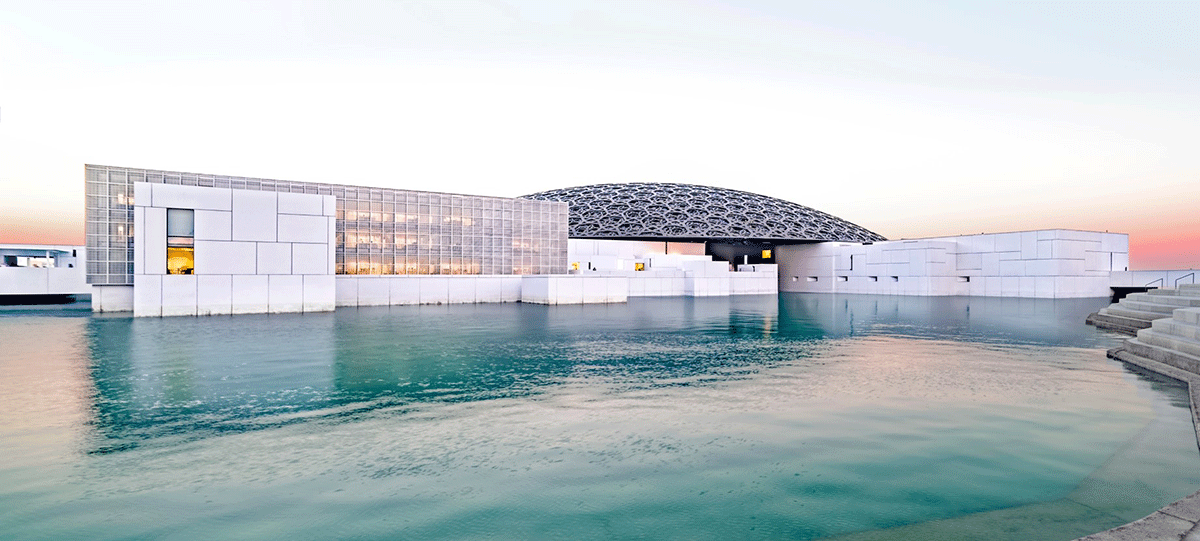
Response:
column 214, row 295
column 254, row 216
column 190, row 197
column 373, row 291
column 214, row 225
column 346, row 290
column 295, row 228
column 216, row 257
column 404, row 290
column 250, row 294
column 310, row 258
column 178, row 295
column 139, row 243
column 154, row 239
column 285, row 293
column 298, row 203
column 435, row 290
column 461, row 289
column 147, row 295
column 272, row 258
column 319, row 293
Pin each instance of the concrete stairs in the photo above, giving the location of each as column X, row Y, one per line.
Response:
column 1173, row 341
column 1137, row 310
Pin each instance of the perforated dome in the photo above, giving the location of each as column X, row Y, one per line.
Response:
column 686, row 211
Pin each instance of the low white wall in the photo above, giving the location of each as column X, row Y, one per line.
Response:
column 44, row 281
column 1040, row 264
column 255, row 252
column 1156, row 278
column 574, row 289
column 106, row 298
column 377, row 290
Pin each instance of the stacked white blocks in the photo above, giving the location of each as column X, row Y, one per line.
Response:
column 369, row 290
column 1043, row 264
column 255, row 252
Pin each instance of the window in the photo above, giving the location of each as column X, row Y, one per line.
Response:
column 181, row 239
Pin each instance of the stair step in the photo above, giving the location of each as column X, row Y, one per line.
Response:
column 1178, row 328
column 1174, row 343
column 1162, row 292
column 1116, row 323
column 1171, row 300
column 1147, row 306
column 1189, row 289
column 1187, row 315
column 1180, row 360
column 1120, row 311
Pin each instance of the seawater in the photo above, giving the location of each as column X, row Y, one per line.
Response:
column 790, row 417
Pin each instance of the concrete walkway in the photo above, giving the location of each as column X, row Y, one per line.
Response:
column 1179, row 520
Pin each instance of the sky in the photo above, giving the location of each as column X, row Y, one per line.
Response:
column 912, row 119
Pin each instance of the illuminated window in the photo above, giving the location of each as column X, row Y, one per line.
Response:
column 766, row 254
column 639, row 266
column 181, row 240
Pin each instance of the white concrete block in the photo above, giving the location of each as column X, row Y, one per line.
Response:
column 969, row 262
column 1012, row 268
column 214, row 225
column 329, row 205
column 147, row 295
column 1010, row 286
column 214, row 295
column 404, row 290
column 285, row 293
column 617, row 288
column 179, row 295
column 295, row 228
column 272, row 258
column 992, row 286
column 319, row 292
column 155, row 241
column 1028, row 287
column 568, row 289
column 1120, row 261
column 1044, row 287
column 217, row 257
column 374, row 291
column 310, row 258
column 460, row 289
column 254, row 215
column 143, row 194
column 435, row 290
column 990, row 264
column 1041, row 267
column 1045, row 248
column 331, row 243
column 191, row 197
column 299, row 203
column 1029, row 245
column 250, row 294
column 139, row 239
column 1008, row 242
column 346, row 290
column 594, row 290
column 511, row 288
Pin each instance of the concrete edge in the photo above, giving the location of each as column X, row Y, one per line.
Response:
column 1177, row 519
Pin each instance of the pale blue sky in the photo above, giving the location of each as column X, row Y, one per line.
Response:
column 911, row 119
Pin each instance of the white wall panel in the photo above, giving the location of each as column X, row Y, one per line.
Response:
column 404, row 290
column 155, row 239
column 214, row 225
column 310, row 258
column 139, row 240
column 250, row 294
column 295, row 228
column 435, row 290
column 147, row 295
column 460, row 289
column 214, row 295
column 178, row 295
column 346, row 290
column 216, row 257
column 190, row 197
column 374, row 291
column 299, row 203
column 254, row 215
column 319, row 293
column 285, row 293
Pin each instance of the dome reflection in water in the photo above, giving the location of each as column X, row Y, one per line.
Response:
column 797, row 416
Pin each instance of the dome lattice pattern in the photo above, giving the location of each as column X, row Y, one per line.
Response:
column 687, row 211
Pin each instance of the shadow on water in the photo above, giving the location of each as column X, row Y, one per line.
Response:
column 191, row 378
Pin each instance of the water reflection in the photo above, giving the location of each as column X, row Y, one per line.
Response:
column 196, row 377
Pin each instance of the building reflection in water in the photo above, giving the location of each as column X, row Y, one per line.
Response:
column 198, row 377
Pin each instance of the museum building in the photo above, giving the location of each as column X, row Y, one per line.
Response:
column 165, row 243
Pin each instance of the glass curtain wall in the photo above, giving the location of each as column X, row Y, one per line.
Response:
column 379, row 230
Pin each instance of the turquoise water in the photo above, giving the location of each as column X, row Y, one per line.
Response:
column 798, row 417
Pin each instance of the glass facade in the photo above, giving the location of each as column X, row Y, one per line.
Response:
column 379, row 230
